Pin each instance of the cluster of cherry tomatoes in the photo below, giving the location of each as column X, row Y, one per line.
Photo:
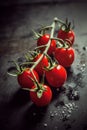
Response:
column 49, row 59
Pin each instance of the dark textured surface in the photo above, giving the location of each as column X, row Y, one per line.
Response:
column 17, row 112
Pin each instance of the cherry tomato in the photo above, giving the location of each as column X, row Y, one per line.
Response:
column 44, row 99
column 65, row 56
column 24, row 78
column 43, row 40
column 43, row 63
column 70, row 35
column 56, row 76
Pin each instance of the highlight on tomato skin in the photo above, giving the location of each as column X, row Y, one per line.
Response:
column 65, row 56
column 24, row 78
column 45, row 99
column 57, row 76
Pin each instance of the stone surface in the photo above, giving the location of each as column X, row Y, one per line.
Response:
column 16, row 109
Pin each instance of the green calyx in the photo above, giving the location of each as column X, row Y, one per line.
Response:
column 36, row 35
column 63, row 44
column 52, row 63
column 66, row 45
column 18, row 69
column 39, row 89
column 67, row 26
column 50, row 67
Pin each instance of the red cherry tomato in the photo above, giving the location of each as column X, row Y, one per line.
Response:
column 44, row 99
column 24, row 80
column 70, row 35
column 43, row 63
column 43, row 40
column 65, row 57
column 56, row 76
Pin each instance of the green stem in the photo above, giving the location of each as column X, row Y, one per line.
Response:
column 36, row 35
column 58, row 39
column 38, row 47
column 44, row 28
column 50, row 60
column 37, row 62
column 35, row 79
column 17, row 66
column 48, row 45
column 26, row 63
column 60, row 21
column 51, row 36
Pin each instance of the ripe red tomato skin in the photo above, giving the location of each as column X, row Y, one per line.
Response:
column 65, row 57
column 57, row 76
column 67, row 35
column 44, row 100
column 43, row 40
column 43, row 63
column 24, row 80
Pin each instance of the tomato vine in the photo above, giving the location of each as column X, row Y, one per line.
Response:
column 54, row 64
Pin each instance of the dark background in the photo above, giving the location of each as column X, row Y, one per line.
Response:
column 17, row 18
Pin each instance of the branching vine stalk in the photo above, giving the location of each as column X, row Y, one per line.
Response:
column 47, row 45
